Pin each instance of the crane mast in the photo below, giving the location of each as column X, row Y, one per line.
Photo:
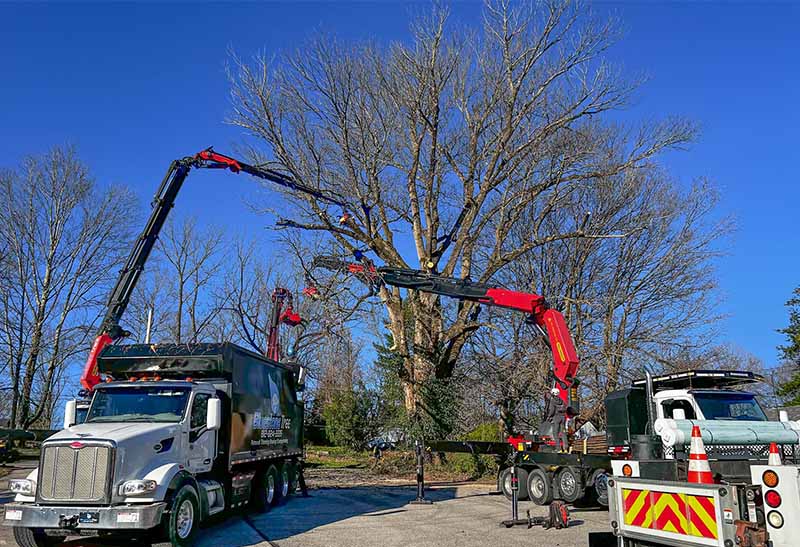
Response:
column 110, row 330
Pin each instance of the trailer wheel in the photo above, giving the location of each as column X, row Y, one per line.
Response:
column 540, row 489
column 180, row 523
column 570, row 486
column 35, row 537
column 522, row 482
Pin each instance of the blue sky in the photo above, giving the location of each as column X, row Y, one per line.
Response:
column 137, row 85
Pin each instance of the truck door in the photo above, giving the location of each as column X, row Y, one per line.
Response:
column 202, row 442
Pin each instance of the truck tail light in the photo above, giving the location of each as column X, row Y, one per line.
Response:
column 775, row 519
column 772, row 498
column 770, row 478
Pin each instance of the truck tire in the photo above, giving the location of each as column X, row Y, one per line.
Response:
column 285, row 476
column 569, row 484
column 504, row 482
column 540, row 488
column 35, row 537
column 599, row 484
column 181, row 522
column 266, row 493
column 294, row 475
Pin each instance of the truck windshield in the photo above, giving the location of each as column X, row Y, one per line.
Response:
column 730, row 406
column 138, row 404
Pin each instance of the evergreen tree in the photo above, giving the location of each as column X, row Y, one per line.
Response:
column 791, row 351
column 389, row 386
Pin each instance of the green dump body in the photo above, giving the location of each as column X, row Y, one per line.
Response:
column 262, row 415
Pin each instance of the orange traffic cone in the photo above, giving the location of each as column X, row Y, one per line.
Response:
column 774, row 455
column 699, row 470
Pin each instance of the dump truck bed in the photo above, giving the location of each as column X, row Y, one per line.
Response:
column 264, row 418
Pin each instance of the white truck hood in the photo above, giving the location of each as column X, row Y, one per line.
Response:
column 119, row 432
column 140, row 447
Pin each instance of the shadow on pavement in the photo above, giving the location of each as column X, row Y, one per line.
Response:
column 326, row 506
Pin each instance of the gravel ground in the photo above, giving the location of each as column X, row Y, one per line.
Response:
column 350, row 508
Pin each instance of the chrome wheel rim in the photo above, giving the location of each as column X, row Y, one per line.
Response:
column 285, row 485
column 601, row 486
column 537, row 486
column 270, row 488
column 567, row 484
column 507, row 483
column 184, row 521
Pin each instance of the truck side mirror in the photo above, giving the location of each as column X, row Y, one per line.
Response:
column 70, row 412
column 214, row 414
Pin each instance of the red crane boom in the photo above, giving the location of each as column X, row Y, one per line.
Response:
column 549, row 321
column 110, row 329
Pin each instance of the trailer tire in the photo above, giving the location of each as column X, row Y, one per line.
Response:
column 540, row 487
column 35, row 537
column 182, row 520
column 569, row 484
column 266, row 493
column 504, row 482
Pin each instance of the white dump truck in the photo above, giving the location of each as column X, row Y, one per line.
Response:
column 182, row 432
column 750, row 504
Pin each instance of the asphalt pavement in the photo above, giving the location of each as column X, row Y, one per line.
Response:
column 462, row 515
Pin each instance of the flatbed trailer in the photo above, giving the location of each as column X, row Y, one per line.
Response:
column 542, row 475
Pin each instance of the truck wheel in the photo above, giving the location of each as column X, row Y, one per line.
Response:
column 35, row 537
column 599, row 484
column 522, row 483
column 570, row 486
column 540, row 490
column 285, row 480
column 266, row 493
column 294, row 475
column 184, row 514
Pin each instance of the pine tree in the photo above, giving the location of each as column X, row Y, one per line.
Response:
column 791, row 351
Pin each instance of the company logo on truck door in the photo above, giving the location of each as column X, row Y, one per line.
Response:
column 685, row 514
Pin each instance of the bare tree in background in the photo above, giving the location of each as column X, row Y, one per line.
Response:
column 245, row 301
column 449, row 140
column 642, row 302
column 192, row 259
column 63, row 239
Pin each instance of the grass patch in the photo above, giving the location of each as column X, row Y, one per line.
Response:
column 402, row 464
column 336, row 457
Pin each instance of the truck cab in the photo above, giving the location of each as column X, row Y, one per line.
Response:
column 184, row 433
column 708, row 404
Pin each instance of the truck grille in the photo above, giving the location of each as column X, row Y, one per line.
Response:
column 75, row 473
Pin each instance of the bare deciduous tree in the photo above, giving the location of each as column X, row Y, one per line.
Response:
column 441, row 146
column 193, row 258
column 62, row 238
column 645, row 301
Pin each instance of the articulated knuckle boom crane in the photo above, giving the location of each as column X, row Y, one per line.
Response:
column 549, row 321
column 110, row 329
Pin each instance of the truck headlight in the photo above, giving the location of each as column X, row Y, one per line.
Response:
column 26, row 487
column 136, row 488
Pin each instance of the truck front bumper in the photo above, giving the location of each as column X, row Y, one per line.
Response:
column 118, row 517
